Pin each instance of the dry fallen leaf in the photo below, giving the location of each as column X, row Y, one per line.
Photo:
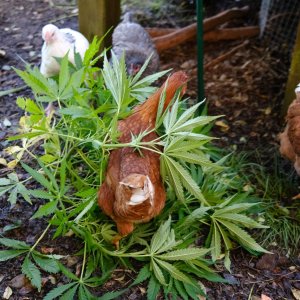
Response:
column 46, row 250
column 52, row 279
column 268, row 110
column 223, row 125
column 18, row 281
column 265, row 297
column 72, row 260
column 7, row 293
column 296, row 294
column 3, row 161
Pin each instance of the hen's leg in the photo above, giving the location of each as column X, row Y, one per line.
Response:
column 124, row 228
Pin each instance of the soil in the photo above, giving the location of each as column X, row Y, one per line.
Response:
column 244, row 89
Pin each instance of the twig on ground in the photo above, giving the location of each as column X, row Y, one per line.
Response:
column 225, row 55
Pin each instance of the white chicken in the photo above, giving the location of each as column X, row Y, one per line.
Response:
column 57, row 42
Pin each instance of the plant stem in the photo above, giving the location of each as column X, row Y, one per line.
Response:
column 83, row 262
column 40, row 238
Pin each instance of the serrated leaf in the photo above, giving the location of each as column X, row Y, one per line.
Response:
column 4, row 190
column 242, row 219
column 84, row 294
column 174, row 272
column 169, row 243
column 215, row 243
column 32, row 273
column 193, row 158
column 193, row 291
column 24, row 192
column 180, row 144
column 160, row 236
column 187, row 114
column 8, row 254
column 76, row 111
column 243, row 237
column 181, row 290
column 172, row 176
column 227, row 242
column 58, row 291
column 50, row 174
column 13, row 243
column 196, row 214
column 184, row 254
column 47, row 264
column 48, row 158
column 21, row 102
column 192, row 123
column 234, row 208
column 37, row 176
column 187, row 180
column 64, row 74
column 112, row 295
column 40, row 194
column 142, row 276
column 158, row 272
column 12, row 198
column 67, row 272
column 38, row 85
column 32, row 107
column 69, row 294
column 227, row 261
column 5, row 181
column 153, row 288
column 45, row 210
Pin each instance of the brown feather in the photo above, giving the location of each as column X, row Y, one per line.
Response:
column 115, row 198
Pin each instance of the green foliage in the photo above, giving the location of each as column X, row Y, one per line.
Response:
column 74, row 145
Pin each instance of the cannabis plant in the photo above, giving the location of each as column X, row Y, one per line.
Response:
column 66, row 154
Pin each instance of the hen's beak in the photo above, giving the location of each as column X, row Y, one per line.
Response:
column 48, row 37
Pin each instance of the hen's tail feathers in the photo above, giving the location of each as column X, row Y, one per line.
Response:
column 174, row 82
column 128, row 17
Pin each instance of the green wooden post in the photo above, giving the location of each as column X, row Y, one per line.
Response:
column 96, row 17
column 294, row 75
column 200, row 53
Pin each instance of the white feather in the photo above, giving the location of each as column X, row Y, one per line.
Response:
column 139, row 195
column 59, row 46
column 297, row 89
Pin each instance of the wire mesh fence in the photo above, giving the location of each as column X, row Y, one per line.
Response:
column 278, row 27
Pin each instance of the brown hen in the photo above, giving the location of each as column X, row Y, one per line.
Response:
column 133, row 191
column 290, row 137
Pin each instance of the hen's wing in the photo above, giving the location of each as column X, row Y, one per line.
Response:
column 294, row 133
column 106, row 194
column 76, row 40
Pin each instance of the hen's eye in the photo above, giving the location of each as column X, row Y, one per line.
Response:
column 52, row 34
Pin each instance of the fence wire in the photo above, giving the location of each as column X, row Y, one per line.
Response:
column 278, row 25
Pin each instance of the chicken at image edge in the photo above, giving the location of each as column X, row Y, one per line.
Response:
column 133, row 191
column 290, row 137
